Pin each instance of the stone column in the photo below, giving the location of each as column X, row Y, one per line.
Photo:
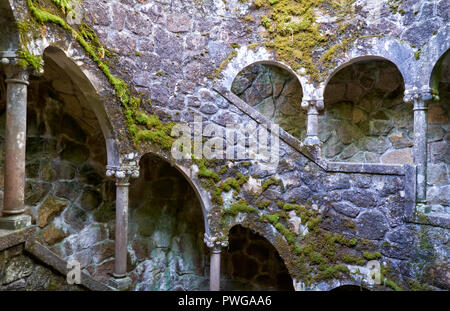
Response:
column 15, row 143
column 420, row 100
column 215, row 246
column 312, row 106
column 122, row 175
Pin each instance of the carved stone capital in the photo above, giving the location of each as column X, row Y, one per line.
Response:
column 128, row 168
column 312, row 106
column 16, row 74
column 419, row 97
column 215, row 242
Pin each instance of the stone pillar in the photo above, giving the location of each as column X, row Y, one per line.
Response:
column 15, row 143
column 120, row 281
column 420, row 100
column 214, row 275
column 312, row 106
column 215, row 246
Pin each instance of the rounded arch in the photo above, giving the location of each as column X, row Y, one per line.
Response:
column 247, row 56
column 358, row 59
column 432, row 54
column 390, row 49
column 10, row 38
column 201, row 194
column 365, row 118
column 90, row 95
column 252, row 257
column 436, row 73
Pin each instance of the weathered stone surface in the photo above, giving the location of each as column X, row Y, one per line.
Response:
column 90, row 199
column 19, row 267
column 51, row 208
column 400, row 140
column 399, row 243
column 372, row 225
column 346, row 209
column 400, row 156
column 53, row 235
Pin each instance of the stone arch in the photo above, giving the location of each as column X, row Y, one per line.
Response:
column 276, row 93
column 365, row 118
column 186, row 172
column 400, row 54
column 9, row 40
column 165, row 227
column 90, row 95
column 433, row 53
column 247, row 56
column 259, row 262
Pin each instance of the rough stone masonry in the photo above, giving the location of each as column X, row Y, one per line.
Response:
column 90, row 93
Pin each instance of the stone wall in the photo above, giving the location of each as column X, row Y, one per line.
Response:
column 174, row 52
column 365, row 119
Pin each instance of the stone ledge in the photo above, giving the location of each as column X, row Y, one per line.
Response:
column 433, row 219
column 10, row 238
column 371, row 168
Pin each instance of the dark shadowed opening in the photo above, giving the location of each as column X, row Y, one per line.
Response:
column 252, row 263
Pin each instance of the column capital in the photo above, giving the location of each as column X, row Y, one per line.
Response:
column 216, row 242
column 127, row 168
column 16, row 74
column 122, row 173
column 313, row 105
column 418, row 97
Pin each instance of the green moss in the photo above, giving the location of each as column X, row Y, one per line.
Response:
column 294, row 33
column 262, row 205
column 353, row 260
column 392, row 284
column 223, row 170
column 331, row 272
column 225, row 63
column 271, row 181
column 371, row 256
column 239, row 207
column 29, row 60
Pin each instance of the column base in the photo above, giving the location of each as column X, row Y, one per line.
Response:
column 15, row 222
column 122, row 284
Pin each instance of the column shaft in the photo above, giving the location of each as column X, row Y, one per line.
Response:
column 15, row 142
column 120, row 265
column 214, row 278
column 420, row 147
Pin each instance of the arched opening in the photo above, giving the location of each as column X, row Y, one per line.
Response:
column 438, row 167
column 166, row 230
column 365, row 119
column 349, row 288
column 252, row 263
column 66, row 191
column 275, row 93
